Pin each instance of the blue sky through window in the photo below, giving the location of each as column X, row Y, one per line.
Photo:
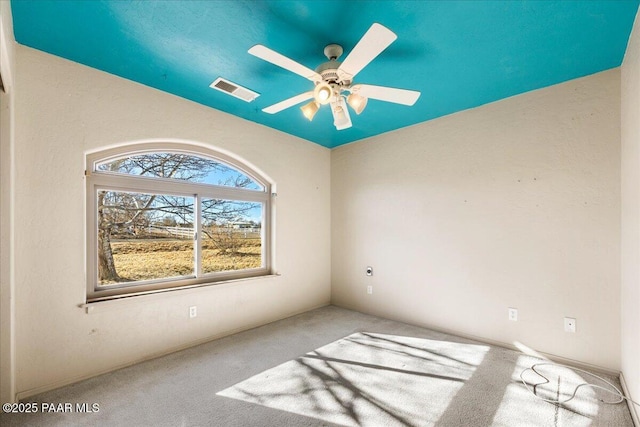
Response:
column 187, row 167
column 181, row 166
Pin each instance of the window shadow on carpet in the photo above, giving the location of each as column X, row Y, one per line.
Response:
column 373, row 379
column 368, row 379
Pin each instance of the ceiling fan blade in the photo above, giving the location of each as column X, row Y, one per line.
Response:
column 341, row 117
column 374, row 41
column 280, row 60
column 290, row 102
column 389, row 94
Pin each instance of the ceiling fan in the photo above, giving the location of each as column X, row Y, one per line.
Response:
column 333, row 79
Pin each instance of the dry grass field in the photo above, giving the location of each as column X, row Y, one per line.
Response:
column 160, row 258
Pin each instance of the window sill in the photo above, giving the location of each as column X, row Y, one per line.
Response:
column 127, row 300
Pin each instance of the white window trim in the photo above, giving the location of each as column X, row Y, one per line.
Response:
column 98, row 180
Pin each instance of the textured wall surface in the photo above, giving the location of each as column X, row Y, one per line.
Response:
column 7, row 62
column 513, row 204
column 65, row 110
column 630, row 129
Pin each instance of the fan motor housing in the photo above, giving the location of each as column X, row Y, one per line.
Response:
column 329, row 71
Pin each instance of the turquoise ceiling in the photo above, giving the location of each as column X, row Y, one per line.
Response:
column 459, row 54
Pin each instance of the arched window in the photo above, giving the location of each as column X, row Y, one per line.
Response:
column 164, row 216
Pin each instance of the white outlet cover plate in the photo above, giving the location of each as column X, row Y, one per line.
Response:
column 513, row 314
column 569, row 324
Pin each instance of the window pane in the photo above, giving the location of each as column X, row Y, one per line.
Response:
column 180, row 166
column 144, row 237
column 232, row 235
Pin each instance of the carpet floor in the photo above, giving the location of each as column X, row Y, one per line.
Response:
column 333, row 367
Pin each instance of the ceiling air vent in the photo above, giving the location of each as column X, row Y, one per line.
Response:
column 233, row 89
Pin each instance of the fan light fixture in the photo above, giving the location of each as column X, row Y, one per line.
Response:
column 309, row 110
column 341, row 118
column 322, row 93
column 357, row 102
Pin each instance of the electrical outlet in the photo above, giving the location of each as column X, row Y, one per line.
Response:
column 569, row 324
column 193, row 311
column 513, row 314
column 369, row 289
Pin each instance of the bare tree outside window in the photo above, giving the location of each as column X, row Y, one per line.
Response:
column 146, row 236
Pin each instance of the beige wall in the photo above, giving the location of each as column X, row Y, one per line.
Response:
column 512, row 204
column 630, row 130
column 65, row 109
column 7, row 354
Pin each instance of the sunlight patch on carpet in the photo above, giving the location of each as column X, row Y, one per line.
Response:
column 367, row 379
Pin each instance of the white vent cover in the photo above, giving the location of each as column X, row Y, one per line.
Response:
column 233, row 89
